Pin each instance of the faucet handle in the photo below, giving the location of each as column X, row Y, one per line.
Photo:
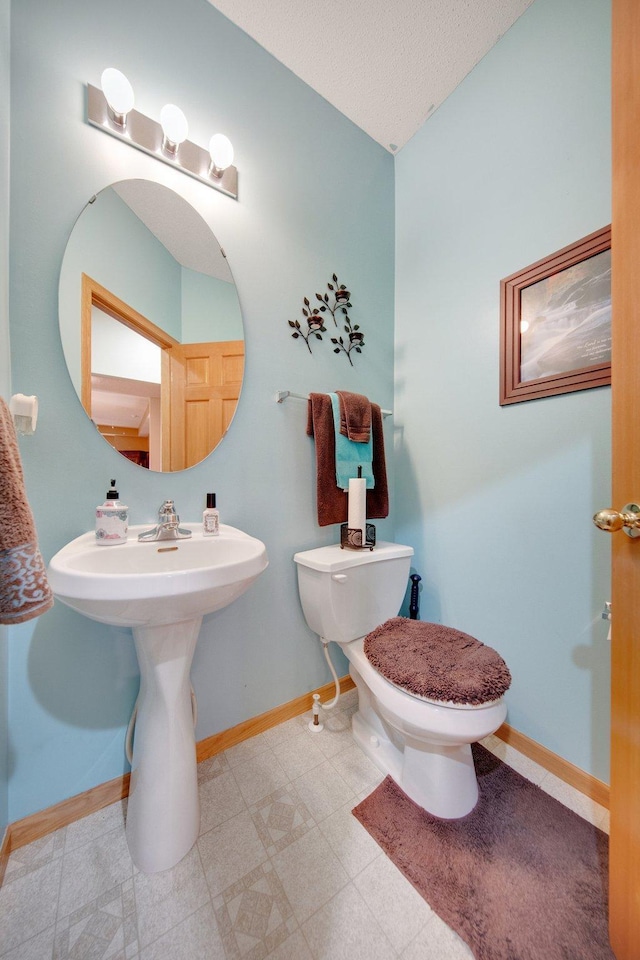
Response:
column 167, row 509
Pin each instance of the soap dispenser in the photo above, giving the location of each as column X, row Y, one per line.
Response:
column 112, row 519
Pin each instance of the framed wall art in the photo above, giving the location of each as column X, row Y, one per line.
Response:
column 555, row 318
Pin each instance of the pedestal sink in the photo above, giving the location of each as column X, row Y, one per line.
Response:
column 162, row 590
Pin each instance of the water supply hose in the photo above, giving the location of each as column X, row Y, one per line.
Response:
column 314, row 724
column 330, row 703
column 128, row 740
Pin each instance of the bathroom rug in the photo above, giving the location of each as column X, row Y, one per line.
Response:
column 521, row 877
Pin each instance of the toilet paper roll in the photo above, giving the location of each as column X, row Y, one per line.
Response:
column 357, row 505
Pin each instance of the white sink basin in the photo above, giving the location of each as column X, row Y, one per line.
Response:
column 165, row 581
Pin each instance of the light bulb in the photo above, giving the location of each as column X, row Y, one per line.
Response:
column 118, row 93
column 221, row 153
column 174, row 126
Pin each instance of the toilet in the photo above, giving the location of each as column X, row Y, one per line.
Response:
column 352, row 598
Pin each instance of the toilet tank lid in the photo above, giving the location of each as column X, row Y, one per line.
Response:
column 333, row 558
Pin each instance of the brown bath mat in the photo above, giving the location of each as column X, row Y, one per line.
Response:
column 521, row 877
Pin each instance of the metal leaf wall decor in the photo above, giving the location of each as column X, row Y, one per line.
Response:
column 336, row 302
column 315, row 325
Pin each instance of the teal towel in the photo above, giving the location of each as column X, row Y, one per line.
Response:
column 350, row 455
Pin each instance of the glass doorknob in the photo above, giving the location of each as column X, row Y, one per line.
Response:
column 628, row 520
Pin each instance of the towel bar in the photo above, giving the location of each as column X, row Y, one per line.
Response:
column 282, row 395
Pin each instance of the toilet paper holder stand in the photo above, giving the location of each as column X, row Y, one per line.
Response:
column 351, row 537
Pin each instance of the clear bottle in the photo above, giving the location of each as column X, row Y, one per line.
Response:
column 210, row 518
column 112, row 519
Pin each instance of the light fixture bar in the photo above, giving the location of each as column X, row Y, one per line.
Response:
column 146, row 135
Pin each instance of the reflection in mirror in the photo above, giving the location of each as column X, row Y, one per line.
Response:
column 151, row 325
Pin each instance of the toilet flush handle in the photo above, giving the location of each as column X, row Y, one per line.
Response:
column 339, row 577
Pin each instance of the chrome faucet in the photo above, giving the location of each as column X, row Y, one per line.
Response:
column 168, row 526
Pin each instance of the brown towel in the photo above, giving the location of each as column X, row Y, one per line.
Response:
column 24, row 589
column 332, row 502
column 355, row 416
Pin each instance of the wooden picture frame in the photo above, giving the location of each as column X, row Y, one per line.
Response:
column 555, row 322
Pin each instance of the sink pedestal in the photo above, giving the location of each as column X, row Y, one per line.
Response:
column 163, row 813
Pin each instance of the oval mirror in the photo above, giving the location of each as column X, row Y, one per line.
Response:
column 151, row 325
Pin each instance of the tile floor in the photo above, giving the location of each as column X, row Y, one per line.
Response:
column 281, row 868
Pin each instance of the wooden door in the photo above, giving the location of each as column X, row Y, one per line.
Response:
column 205, row 382
column 625, row 649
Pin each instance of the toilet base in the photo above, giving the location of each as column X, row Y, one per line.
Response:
column 439, row 776
column 440, row 779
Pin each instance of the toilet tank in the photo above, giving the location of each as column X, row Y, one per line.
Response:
column 346, row 593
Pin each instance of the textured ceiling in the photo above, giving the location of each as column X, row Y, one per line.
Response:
column 385, row 64
column 177, row 226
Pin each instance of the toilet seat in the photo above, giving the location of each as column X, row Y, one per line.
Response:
column 450, row 722
column 437, row 663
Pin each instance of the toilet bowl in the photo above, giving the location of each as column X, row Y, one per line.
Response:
column 423, row 744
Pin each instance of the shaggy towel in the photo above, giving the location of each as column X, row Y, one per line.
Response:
column 355, row 416
column 24, row 590
column 331, row 501
column 437, row 662
column 521, row 877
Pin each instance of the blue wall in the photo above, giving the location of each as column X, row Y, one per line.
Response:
column 210, row 309
column 316, row 196
column 498, row 501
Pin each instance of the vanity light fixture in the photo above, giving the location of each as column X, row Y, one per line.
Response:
column 174, row 127
column 118, row 94
column 111, row 110
column 221, row 153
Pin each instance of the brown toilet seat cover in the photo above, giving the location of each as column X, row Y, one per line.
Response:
column 437, row 662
